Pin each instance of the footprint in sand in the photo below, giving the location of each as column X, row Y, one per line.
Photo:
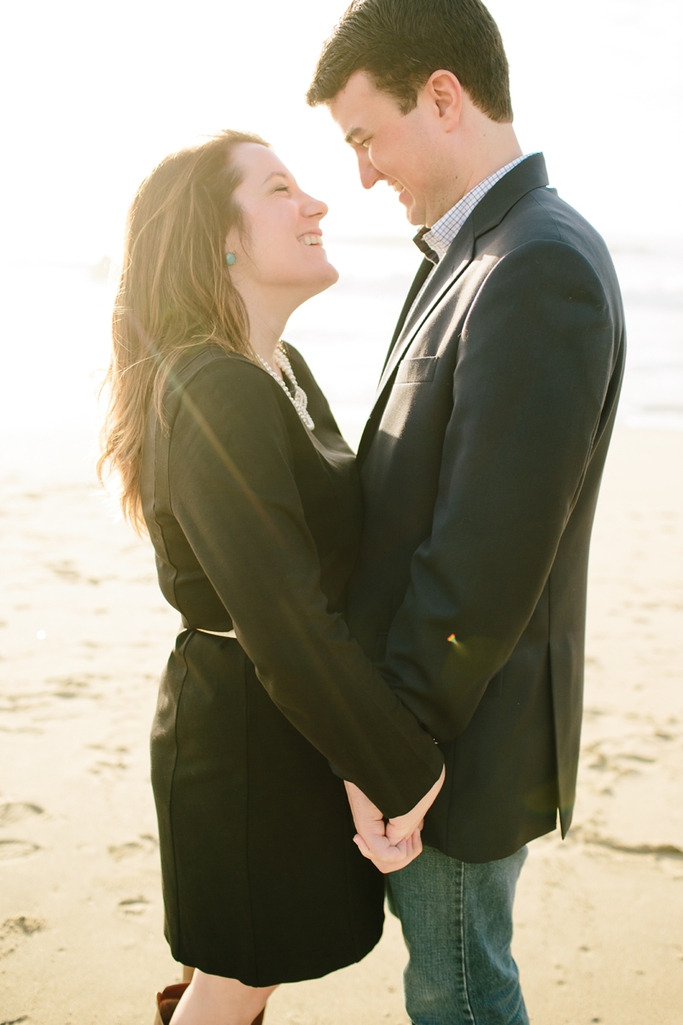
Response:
column 65, row 570
column 145, row 844
column 134, row 905
column 10, row 849
column 72, row 686
column 14, row 930
column 16, row 811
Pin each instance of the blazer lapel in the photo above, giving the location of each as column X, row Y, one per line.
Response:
column 444, row 276
column 530, row 174
column 418, row 281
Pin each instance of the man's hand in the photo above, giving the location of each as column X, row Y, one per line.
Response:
column 404, row 826
column 385, row 854
column 388, row 857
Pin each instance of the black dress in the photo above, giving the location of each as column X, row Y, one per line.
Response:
column 255, row 522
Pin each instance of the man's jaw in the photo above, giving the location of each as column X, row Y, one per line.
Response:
column 407, row 200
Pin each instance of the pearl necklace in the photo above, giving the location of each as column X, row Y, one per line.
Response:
column 299, row 399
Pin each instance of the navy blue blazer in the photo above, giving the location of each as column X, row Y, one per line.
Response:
column 480, row 467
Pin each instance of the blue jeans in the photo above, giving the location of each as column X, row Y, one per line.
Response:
column 457, row 924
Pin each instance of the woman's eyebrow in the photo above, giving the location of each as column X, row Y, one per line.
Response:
column 275, row 174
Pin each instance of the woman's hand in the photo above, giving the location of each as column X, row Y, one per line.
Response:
column 388, row 857
column 404, row 826
column 373, row 843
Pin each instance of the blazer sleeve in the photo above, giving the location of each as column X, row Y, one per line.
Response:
column 234, row 495
column 534, row 363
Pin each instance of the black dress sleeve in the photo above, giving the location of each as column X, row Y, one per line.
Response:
column 234, row 495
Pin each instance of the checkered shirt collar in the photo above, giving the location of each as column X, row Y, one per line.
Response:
column 434, row 242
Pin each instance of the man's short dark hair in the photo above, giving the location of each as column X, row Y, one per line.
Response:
column 400, row 43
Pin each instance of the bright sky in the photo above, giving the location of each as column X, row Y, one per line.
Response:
column 96, row 93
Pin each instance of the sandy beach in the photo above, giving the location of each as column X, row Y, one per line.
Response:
column 83, row 636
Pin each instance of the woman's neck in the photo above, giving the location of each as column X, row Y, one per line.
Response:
column 264, row 340
column 268, row 315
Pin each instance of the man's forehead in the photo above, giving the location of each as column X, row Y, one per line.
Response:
column 355, row 105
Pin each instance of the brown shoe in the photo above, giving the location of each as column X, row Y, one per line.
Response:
column 168, row 1000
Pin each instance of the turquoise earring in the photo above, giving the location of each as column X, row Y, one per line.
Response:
column 230, row 259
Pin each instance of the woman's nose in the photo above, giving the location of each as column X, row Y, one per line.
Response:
column 314, row 207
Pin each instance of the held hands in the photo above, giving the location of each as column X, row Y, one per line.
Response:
column 405, row 825
column 372, row 840
column 393, row 845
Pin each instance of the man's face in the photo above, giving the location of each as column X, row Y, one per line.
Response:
column 390, row 146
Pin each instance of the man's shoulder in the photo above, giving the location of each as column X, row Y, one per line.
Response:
column 545, row 254
column 542, row 216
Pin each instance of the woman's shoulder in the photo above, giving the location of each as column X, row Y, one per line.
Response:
column 209, row 372
column 223, row 389
column 208, row 361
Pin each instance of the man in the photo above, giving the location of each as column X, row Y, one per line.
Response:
column 480, row 463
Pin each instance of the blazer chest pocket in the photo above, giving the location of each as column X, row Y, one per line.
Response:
column 418, row 370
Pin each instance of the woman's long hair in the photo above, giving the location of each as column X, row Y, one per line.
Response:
column 175, row 292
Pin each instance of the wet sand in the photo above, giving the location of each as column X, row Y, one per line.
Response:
column 83, row 635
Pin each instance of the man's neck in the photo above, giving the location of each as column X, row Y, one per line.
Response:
column 482, row 150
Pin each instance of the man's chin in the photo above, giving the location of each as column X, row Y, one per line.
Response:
column 412, row 212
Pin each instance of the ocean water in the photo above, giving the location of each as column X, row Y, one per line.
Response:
column 55, row 337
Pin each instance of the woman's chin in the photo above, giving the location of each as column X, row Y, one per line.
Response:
column 333, row 275
column 326, row 277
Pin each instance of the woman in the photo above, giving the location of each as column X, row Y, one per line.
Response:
column 229, row 455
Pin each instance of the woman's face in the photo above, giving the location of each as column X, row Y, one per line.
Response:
column 282, row 248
